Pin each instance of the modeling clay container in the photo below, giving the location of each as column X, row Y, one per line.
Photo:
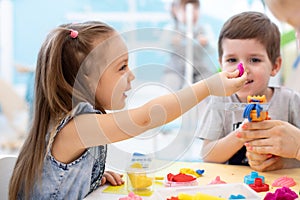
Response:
column 140, row 181
column 219, row 190
column 140, row 177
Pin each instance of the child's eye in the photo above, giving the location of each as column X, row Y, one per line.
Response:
column 123, row 68
column 231, row 60
column 254, row 60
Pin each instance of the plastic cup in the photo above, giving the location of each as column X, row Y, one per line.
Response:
column 140, row 181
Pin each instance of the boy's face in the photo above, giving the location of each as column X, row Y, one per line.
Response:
column 256, row 62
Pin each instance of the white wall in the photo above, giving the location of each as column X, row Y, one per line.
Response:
column 6, row 40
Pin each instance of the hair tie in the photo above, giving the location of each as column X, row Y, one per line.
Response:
column 73, row 33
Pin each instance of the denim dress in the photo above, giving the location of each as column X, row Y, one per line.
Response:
column 73, row 180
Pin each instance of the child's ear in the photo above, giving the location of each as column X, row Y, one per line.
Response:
column 220, row 65
column 276, row 66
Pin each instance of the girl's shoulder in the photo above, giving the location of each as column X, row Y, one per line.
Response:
column 83, row 108
column 80, row 108
column 55, row 128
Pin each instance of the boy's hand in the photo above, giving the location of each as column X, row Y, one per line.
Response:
column 225, row 83
column 264, row 162
column 113, row 178
column 272, row 137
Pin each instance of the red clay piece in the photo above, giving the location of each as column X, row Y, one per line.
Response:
column 259, row 186
column 173, row 198
column 180, row 177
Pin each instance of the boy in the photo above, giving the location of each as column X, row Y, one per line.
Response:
column 274, row 136
column 252, row 39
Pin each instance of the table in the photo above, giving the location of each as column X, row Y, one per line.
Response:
column 228, row 173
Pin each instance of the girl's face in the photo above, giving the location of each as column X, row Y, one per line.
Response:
column 116, row 79
column 256, row 62
column 288, row 12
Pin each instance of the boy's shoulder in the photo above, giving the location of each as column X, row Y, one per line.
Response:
column 216, row 103
column 231, row 98
column 285, row 91
column 284, row 95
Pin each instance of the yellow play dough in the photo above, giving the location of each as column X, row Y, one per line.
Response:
column 198, row 196
column 139, row 179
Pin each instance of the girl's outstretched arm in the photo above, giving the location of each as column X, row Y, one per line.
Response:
column 93, row 129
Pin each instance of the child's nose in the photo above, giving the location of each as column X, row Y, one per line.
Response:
column 131, row 76
column 246, row 68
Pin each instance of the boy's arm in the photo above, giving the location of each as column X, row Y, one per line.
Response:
column 221, row 150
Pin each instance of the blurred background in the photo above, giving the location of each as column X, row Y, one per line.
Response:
column 24, row 25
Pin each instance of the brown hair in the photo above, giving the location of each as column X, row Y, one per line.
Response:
column 58, row 63
column 252, row 25
column 178, row 3
column 184, row 2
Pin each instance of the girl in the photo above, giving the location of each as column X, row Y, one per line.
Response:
column 81, row 72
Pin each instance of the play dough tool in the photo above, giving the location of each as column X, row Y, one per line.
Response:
column 235, row 106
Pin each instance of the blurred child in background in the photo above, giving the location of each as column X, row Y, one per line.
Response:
column 174, row 74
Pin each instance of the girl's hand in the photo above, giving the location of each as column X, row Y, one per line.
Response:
column 272, row 137
column 113, row 178
column 225, row 83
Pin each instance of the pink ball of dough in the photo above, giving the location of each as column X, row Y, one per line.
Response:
column 240, row 67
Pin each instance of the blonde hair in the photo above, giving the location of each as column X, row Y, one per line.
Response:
column 59, row 60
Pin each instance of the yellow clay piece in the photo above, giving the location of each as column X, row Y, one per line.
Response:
column 139, row 180
column 136, row 165
column 189, row 171
column 198, row 196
